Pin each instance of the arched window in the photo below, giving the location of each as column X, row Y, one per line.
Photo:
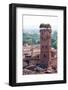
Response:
column 46, row 46
column 44, row 55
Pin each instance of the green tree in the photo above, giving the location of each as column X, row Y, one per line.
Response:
column 54, row 40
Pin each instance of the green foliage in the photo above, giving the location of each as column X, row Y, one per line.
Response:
column 34, row 38
column 31, row 38
column 27, row 38
column 54, row 40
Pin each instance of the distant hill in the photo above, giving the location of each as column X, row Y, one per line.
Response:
column 33, row 38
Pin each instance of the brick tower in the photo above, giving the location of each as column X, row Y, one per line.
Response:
column 45, row 45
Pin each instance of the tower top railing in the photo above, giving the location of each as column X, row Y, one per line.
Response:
column 45, row 25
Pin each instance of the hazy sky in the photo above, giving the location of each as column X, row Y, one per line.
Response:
column 31, row 23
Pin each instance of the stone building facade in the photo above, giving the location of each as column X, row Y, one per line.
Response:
column 45, row 45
